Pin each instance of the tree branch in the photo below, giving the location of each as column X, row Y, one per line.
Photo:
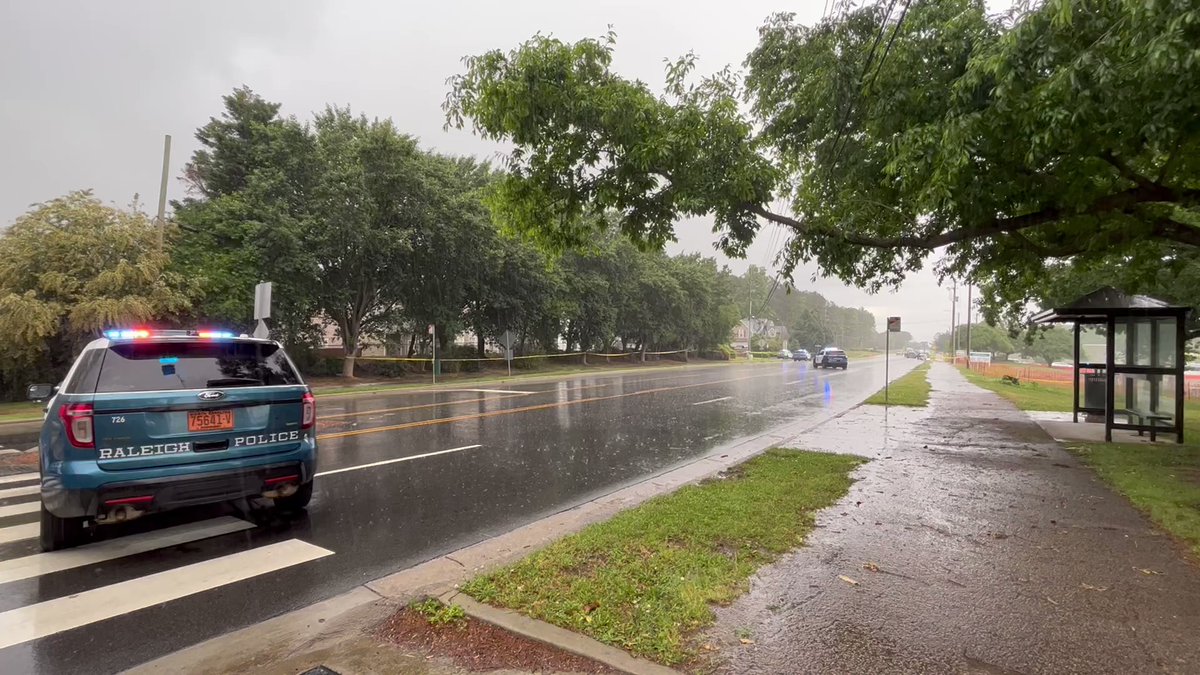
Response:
column 1114, row 203
column 1127, row 172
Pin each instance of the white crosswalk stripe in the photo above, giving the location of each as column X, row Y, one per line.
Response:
column 80, row 609
column 23, row 491
column 47, row 563
column 18, row 478
column 19, row 509
column 18, row 532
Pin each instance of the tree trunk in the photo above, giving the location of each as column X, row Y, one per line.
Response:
column 479, row 341
column 349, row 346
column 412, row 345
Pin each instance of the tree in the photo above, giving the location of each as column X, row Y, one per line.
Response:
column 73, row 266
column 985, row 338
column 708, row 312
column 250, row 184
column 1050, row 345
column 1065, row 131
column 368, row 200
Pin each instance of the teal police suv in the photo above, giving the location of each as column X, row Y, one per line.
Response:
column 147, row 421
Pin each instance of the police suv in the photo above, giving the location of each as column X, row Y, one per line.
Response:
column 147, row 421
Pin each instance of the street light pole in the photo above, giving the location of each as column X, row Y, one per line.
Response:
column 952, row 342
column 162, row 190
column 968, row 323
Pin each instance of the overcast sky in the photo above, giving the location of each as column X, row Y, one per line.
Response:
column 91, row 87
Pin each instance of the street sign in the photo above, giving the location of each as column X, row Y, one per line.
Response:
column 893, row 326
column 262, row 309
column 262, row 300
column 506, row 341
column 429, row 330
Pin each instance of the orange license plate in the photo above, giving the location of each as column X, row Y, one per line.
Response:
column 210, row 420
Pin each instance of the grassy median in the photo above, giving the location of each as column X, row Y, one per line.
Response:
column 912, row 389
column 1162, row 480
column 645, row 580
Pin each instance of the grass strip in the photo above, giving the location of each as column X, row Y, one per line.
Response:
column 911, row 390
column 1163, row 481
column 1026, row 395
column 645, row 580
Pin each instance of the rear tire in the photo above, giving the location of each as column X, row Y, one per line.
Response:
column 298, row 500
column 60, row 533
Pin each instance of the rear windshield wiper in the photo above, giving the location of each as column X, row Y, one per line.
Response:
column 233, row 382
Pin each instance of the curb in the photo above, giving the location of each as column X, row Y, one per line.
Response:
column 561, row 638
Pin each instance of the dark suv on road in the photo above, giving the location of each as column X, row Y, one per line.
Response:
column 149, row 421
column 831, row 358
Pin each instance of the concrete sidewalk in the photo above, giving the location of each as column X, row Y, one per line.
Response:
column 971, row 543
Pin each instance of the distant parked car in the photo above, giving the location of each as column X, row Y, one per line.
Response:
column 831, row 357
column 784, row 354
column 924, row 356
column 910, row 353
column 801, row 355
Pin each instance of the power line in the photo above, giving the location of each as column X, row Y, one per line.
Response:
column 858, row 91
column 887, row 50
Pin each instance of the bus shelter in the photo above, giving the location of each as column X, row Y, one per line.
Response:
column 1139, row 386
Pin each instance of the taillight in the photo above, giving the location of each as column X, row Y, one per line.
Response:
column 309, row 414
column 77, row 418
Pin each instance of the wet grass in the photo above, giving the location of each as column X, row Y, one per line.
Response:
column 21, row 411
column 861, row 354
column 645, row 580
column 1161, row 480
column 1026, row 395
column 912, row 389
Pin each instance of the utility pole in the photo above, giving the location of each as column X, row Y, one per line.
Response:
column 952, row 343
column 162, row 190
column 968, row 323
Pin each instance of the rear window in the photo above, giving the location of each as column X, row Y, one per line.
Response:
column 160, row 366
column 835, row 352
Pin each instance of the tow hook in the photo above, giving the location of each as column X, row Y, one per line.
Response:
column 280, row 491
column 119, row 514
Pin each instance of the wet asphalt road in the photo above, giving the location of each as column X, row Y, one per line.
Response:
column 479, row 463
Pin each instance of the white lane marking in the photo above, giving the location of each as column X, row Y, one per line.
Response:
column 714, row 400
column 18, row 478
column 23, row 491
column 19, row 532
column 399, row 459
column 18, row 509
column 497, row 391
column 47, row 563
column 55, row 616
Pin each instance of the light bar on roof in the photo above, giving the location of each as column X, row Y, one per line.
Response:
column 126, row 333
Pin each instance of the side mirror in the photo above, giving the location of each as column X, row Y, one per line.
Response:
column 39, row 392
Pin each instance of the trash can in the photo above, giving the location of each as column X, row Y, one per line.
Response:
column 1094, row 391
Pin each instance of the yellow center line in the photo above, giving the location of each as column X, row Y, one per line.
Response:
column 453, row 403
column 426, row 406
column 531, row 408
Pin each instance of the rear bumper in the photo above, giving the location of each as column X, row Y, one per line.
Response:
column 178, row 490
